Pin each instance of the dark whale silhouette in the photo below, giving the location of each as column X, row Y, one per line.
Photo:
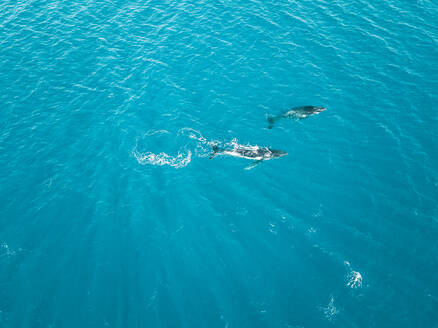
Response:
column 296, row 113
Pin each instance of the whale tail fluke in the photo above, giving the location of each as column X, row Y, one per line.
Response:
column 271, row 121
column 215, row 149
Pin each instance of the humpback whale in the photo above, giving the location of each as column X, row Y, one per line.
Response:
column 296, row 113
column 256, row 153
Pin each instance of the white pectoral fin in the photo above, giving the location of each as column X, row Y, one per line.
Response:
column 253, row 164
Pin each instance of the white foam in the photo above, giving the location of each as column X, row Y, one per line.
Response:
column 152, row 132
column 354, row 277
column 192, row 134
column 178, row 161
column 355, row 280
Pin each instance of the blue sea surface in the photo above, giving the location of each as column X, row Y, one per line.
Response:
column 113, row 215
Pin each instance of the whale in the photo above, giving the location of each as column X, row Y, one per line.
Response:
column 255, row 153
column 296, row 113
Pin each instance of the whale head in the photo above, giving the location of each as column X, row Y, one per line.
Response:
column 278, row 153
column 314, row 109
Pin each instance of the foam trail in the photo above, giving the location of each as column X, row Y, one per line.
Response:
column 196, row 135
column 193, row 134
column 161, row 159
column 330, row 311
column 202, row 146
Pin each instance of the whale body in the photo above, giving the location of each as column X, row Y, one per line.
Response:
column 297, row 113
column 256, row 153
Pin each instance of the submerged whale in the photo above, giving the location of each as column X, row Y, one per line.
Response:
column 256, row 153
column 296, row 113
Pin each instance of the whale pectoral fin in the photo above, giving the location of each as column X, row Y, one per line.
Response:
column 271, row 121
column 253, row 164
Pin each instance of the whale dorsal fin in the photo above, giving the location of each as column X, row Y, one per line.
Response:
column 215, row 149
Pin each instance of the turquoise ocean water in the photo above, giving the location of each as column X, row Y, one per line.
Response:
column 113, row 215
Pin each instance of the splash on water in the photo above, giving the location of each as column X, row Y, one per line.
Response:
column 354, row 278
column 161, row 148
column 161, row 159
